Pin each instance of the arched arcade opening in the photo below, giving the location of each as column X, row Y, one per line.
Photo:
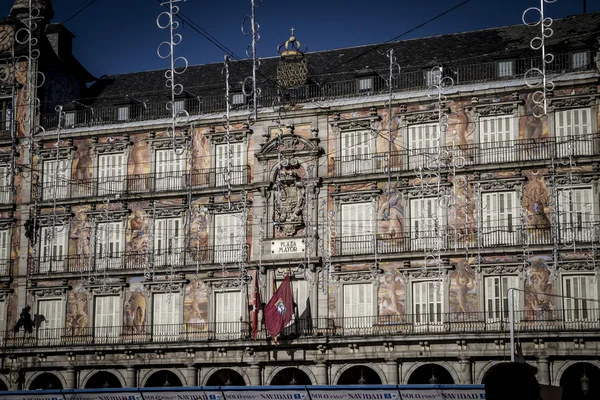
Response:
column 430, row 374
column 359, row 375
column 226, row 377
column 102, row 380
column 290, row 376
column 46, row 381
column 580, row 381
column 163, row 378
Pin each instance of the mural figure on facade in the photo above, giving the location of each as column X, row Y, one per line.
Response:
column 392, row 293
column 135, row 309
column 195, row 306
column 536, row 201
column 390, row 214
column 77, row 318
column 534, row 128
column 539, row 291
column 139, row 159
column 463, row 130
column 463, row 288
column 138, row 224
column 82, row 162
column 464, row 208
column 289, row 216
column 80, row 231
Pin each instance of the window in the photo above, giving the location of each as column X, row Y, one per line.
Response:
column 497, row 135
column 6, row 114
column 109, row 238
column 579, row 60
column 228, row 312
column 427, row 303
column 365, row 85
column 299, row 293
column 69, row 119
column 168, row 242
column 433, row 77
column 53, row 248
column 237, row 99
column 166, row 309
column 573, row 128
column 55, row 180
column 4, row 252
column 227, row 237
column 357, row 228
column 505, row 69
column 123, row 113
column 499, row 218
column 496, row 297
column 358, row 306
column 179, row 106
column 427, row 222
column 170, row 170
column 50, row 312
column 423, row 141
column 111, row 177
column 580, row 298
column 236, row 174
column 5, row 184
column 576, row 214
column 356, row 157
column 107, row 318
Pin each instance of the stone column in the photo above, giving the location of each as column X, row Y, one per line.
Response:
column 71, row 379
column 321, row 374
column 130, row 380
column 464, row 373
column 254, row 375
column 543, row 374
column 191, row 375
column 391, row 372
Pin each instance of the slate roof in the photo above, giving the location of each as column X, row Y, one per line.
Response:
column 466, row 48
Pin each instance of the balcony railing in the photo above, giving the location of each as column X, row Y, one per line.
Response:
column 145, row 183
column 562, row 320
column 215, row 103
column 5, row 268
column 128, row 260
column 452, row 238
column 5, row 194
column 522, row 150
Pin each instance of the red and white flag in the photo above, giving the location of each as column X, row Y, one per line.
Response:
column 280, row 309
column 255, row 307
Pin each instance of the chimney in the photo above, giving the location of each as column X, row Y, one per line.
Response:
column 60, row 39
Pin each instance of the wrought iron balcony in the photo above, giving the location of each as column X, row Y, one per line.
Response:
column 522, row 150
column 449, row 238
column 438, row 324
column 415, row 79
column 5, row 195
column 144, row 183
column 5, row 268
column 130, row 260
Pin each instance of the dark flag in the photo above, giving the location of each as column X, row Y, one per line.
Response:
column 280, row 309
column 256, row 307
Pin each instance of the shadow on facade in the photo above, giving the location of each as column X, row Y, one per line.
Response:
column 226, row 377
column 291, row 376
column 430, row 374
column 359, row 375
column 572, row 382
column 101, row 380
column 163, row 379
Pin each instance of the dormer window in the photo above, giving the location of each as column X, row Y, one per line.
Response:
column 505, row 68
column 179, row 106
column 433, row 76
column 237, row 99
column 579, row 59
column 69, row 121
column 365, row 84
column 123, row 113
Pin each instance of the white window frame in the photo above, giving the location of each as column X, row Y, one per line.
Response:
column 506, row 68
column 572, row 132
column 422, row 145
column 496, row 297
column 169, row 169
column 108, row 319
column 53, row 248
column 237, row 163
column 179, row 105
column 56, row 175
column 427, row 304
column 365, row 84
column 112, row 171
column 357, row 231
column 69, row 120
column 580, row 59
column 433, row 76
column 238, row 99
column 499, row 218
column 575, row 218
column 5, row 244
column 167, row 311
column 425, row 232
column 52, row 324
column 497, row 138
column 6, row 113
column 358, row 302
column 227, row 229
column 228, row 310
column 109, row 244
column 580, row 301
column 356, row 152
column 168, row 241
column 5, row 189
column 123, row 113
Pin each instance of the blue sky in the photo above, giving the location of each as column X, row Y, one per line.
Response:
column 120, row 36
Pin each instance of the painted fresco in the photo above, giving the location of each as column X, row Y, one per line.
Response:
column 139, row 158
column 195, row 304
column 79, row 235
column 12, row 312
column 137, row 232
column 392, row 290
column 539, row 288
column 531, row 127
column 462, row 215
column 135, row 306
column 199, row 230
column 463, row 288
column 77, row 320
column 331, row 300
column 82, row 161
column 536, row 202
column 201, row 149
column 15, row 248
column 390, row 213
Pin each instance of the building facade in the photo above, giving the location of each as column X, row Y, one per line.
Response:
column 408, row 208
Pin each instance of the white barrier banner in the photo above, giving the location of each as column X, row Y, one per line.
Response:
column 390, row 394
column 442, row 394
column 265, row 395
column 33, row 396
column 182, row 395
column 103, row 396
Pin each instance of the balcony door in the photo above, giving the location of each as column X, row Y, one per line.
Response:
column 166, row 316
column 427, row 223
column 168, row 241
column 423, row 146
column 170, row 170
column 228, row 313
column 496, row 137
column 224, row 171
column 355, row 157
column 428, row 306
column 357, row 228
column 576, row 215
column 227, row 237
column 107, row 319
column 497, row 297
column 499, row 218
column 111, row 173
column 50, row 316
column 573, row 132
column 109, row 239
column 359, row 315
